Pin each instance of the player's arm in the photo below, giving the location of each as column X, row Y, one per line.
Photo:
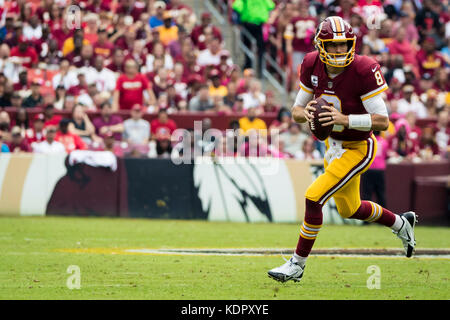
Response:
column 376, row 117
column 304, row 105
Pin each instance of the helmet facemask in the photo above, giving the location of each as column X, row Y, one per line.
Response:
column 338, row 60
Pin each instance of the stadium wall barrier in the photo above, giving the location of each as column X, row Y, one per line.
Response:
column 236, row 189
column 185, row 120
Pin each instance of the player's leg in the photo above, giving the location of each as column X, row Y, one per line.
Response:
column 344, row 164
column 293, row 269
column 349, row 205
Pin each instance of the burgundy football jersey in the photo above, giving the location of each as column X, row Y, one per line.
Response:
column 360, row 80
column 301, row 31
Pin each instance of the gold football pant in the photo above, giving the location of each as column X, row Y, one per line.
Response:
column 344, row 163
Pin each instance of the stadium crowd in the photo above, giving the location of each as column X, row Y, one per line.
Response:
column 94, row 71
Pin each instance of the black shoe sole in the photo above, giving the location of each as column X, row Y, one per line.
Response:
column 411, row 217
column 283, row 277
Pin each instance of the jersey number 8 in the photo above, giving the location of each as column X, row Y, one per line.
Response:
column 379, row 78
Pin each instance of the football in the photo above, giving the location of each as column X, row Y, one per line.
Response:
column 319, row 131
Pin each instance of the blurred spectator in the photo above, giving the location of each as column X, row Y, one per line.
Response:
column 428, row 58
column 66, row 76
column 80, row 125
column 70, row 140
column 400, row 45
column 50, row 117
column 271, row 104
column 202, row 101
column 118, row 61
column 282, row 122
column 216, row 88
column 91, row 29
column 244, row 82
column 254, row 98
column 156, row 20
column 427, row 20
column 49, row 145
column 103, row 47
column 431, row 103
column 108, row 122
column 400, row 145
column 162, row 123
column 22, row 86
column 18, row 142
column 414, row 131
column 372, row 180
column 21, row 119
column 406, row 20
column 5, row 100
column 5, row 122
column 167, row 31
column 410, row 102
column 428, row 144
column 32, row 30
column 230, row 98
column 104, row 78
column 136, row 129
column 159, row 52
column 26, row 53
column 110, row 144
column 299, row 35
column 73, row 45
column 443, row 132
column 308, row 151
column 211, row 55
column 200, row 33
column 3, row 146
column 35, row 99
column 442, row 82
column 174, row 101
column 163, row 145
column 252, row 15
column 293, row 139
column 250, row 121
column 130, row 88
column 374, row 44
column 36, row 134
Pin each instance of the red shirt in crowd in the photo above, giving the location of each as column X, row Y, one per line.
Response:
column 29, row 57
column 131, row 90
column 24, row 146
column 429, row 63
column 198, row 36
column 54, row 121
column 70, row 141
column 104, row 49
column 32, row 136
column 158, row 126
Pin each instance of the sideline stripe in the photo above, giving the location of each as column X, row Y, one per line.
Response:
column 258, row 252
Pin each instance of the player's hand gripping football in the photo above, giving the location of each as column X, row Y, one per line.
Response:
column 309, row 110
column 332, row 117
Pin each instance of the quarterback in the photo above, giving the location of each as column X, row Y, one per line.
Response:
column 351, row 84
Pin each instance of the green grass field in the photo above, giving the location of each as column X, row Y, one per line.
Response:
column 33, row 267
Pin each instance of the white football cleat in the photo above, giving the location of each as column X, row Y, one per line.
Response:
column 406, row 232
column 291, row 270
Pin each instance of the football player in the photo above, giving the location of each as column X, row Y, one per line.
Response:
column 351, row 84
